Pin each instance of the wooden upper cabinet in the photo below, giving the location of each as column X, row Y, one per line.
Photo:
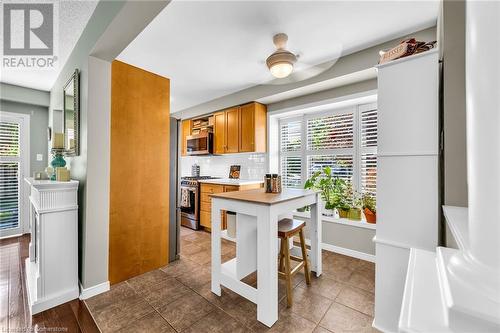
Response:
column 240, row 129
column 253, row 129
column 232, row 130
column 219, row 132
column 186, row 131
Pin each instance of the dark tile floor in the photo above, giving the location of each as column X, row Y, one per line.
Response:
column 177, row 298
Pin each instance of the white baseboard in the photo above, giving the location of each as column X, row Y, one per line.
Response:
column 94, row 290
column 345, row 251
column 381, row 329
column 348, row 252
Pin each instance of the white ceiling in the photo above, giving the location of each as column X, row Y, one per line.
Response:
column 72, row 17
column 214, row 48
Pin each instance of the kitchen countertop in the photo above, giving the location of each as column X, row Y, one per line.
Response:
column 235, row 182
column 259, row 196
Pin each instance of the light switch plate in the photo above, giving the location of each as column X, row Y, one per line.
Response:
column 39, row 157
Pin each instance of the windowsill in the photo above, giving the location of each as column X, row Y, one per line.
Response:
column 344, row 221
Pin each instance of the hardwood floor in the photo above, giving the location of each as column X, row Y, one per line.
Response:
column 72, row 316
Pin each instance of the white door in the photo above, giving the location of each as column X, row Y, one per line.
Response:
column 14, row 166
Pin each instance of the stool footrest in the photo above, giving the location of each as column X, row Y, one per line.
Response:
column 293, row 271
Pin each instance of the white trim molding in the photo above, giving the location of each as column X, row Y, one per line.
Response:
column 346, row 251
column 86, row 293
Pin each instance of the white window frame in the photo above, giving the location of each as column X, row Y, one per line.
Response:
column 24, row 171
column 356, row 151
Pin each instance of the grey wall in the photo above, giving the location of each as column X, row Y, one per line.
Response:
column 9, row 92
column 111, row 28
column 346, row 236
column 453, row 49
column 39, row 121
column 321, row 96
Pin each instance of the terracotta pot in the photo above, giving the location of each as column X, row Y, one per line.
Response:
column 343, row 213
column 370, row 216
column 354, row 214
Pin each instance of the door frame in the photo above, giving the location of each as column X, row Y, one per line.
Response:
column 24, row 171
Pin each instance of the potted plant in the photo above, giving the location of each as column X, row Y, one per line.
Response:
column 369, row 207
column 331, row 188
column 355, row 210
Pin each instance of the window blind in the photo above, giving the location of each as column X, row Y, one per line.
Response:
column 341, row 165
column 330, row 132
column 369, row 128
column 290, row 136
column 291, row 169
column 9, row 175
column 369, row 173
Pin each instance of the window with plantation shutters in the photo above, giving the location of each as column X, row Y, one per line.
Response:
column 9, row 175
column 330, row 132
column 345, row 140
column 368, row 149
column 290, row 136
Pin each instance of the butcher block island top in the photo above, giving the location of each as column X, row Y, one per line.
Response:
column 259, row 196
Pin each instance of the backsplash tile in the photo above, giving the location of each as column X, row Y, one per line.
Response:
column 253, row 166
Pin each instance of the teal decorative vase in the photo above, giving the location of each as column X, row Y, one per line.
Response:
column 57, row 162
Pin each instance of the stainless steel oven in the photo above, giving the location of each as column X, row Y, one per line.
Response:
column 190, row 201
column 189, row 204
column 200, row 144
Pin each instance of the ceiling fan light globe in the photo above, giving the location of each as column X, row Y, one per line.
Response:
column 281, row 70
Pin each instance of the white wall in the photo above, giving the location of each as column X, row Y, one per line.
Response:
column 253, row 166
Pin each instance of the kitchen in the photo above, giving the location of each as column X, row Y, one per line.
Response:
column 207, row 162
column 248, row 174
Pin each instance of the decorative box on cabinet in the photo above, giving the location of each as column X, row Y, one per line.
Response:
column 407, row 175
column 52, row 266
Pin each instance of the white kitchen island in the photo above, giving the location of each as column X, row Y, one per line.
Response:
column 257, row 215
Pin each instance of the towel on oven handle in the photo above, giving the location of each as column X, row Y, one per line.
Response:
column 185, row 202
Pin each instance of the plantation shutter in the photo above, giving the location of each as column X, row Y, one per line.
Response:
column 330, row 132
column 290, row 151
column 369, row 151
column 341, row 165
column 290, row 136
column 291, row 167
column 9, row 175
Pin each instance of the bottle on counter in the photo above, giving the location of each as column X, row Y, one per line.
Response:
column 267, row 183
column 274, row 183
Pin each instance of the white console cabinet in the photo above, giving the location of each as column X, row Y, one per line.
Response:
column 52, row 266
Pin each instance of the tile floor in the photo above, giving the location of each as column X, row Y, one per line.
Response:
column 177, row 298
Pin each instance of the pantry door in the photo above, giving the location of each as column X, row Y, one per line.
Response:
column 14, row 166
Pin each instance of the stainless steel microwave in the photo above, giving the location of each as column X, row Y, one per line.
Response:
column 200, row 144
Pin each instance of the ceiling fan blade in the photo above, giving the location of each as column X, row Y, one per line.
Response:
column 302, row 73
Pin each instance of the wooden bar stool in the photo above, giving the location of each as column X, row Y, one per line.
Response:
column 288, row 228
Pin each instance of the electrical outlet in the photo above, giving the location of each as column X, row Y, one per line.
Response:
column 39, row 157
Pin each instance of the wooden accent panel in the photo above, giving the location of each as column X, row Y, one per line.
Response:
column 219, row 132
column 232, row 130
column 187, row 126
column 139, row 180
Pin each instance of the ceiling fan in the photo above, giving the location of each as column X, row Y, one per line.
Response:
column 281, row 63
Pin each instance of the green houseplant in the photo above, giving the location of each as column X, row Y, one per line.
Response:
column 369, row 207
column 331, row 187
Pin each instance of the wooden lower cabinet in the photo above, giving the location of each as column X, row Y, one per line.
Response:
column 206, row 201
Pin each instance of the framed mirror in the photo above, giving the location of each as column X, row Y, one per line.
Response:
column 71, row 115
